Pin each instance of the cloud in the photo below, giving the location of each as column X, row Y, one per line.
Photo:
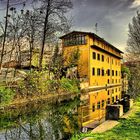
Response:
column 136, row 3
column 112, row 16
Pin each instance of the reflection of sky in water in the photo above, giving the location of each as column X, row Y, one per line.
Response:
column 42, row 129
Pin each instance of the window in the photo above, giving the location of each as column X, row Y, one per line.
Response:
column 98, row 71
column 112, row 99
column 102, row 58
column 74, row 39
column 93, row 107
column 98, row 56
column 108, row 59
column 116, row 89
column 108, row 92
column 112, row 91
column 112, row 61
column 83, row 41
column 112, row 72
column 116, row 80
column 103, row 73
column 93, row 71
column 108, row 101
column 108, row 81
column 116, row 73
column 103, row 103
column 116, row 97
column 94, row 55
column 98, row 105
column 108, row 72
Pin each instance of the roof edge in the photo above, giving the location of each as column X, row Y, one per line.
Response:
column 93, row 34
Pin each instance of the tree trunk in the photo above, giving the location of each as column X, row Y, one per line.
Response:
column 5, row 31
column 44, row 35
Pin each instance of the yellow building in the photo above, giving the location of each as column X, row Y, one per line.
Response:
column 99, row 69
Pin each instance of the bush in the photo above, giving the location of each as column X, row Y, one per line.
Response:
column 6, row 95
column 69, row 85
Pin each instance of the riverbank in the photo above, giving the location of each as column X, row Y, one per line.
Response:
column 127, row 129
column 50, row 98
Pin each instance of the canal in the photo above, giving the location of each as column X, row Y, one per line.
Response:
column 56, row 119
column 40, row 121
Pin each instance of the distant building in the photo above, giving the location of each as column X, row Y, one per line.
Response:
column 18, row 58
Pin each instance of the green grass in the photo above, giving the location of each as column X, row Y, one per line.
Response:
column 128, row 129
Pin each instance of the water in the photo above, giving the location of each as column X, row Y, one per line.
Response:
column 53, row 120
column 40, row 121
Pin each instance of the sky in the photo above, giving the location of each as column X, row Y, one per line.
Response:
column 111, row 16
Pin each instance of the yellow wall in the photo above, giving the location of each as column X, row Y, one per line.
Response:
column 112, row 61
column 99, row 80
column 96, row 97
column 83, row 60
column 35, row 60
column 86, row 62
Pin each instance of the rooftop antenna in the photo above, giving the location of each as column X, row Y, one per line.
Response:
column 96, row 28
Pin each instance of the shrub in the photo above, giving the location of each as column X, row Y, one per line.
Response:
column 6, row 95
column 69, row 85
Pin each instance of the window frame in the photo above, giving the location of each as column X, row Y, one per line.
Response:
column 93, row 71
column 98, row 56
column 103, row 58
column 98, row 72
column 94, row 55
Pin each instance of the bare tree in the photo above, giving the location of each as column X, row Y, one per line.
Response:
column 4, row 35
column 134, row 37
column 133, row 55
column 39, row 25
column 54, row 20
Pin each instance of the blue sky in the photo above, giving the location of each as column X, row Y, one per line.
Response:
column 112, row 16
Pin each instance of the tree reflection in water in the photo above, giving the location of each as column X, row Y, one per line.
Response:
column 43, row 122
column 40, row 130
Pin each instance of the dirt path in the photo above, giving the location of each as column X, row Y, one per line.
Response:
column 107, row 125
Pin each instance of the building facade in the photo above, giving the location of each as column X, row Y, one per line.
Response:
column 99, row 70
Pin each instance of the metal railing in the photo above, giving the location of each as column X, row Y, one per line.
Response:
column 88, row 116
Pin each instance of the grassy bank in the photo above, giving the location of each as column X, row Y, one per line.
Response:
column 128, row 129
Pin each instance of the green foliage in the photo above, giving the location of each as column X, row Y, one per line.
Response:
column 63, row 85
column 34, row 84
column 69, row 85
column 6, row 95
column 134, row 81
column 38, row 83
column 56, row 64
column 74, row 57
column 126, row 70
column 52, row 86
column 35, row 59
